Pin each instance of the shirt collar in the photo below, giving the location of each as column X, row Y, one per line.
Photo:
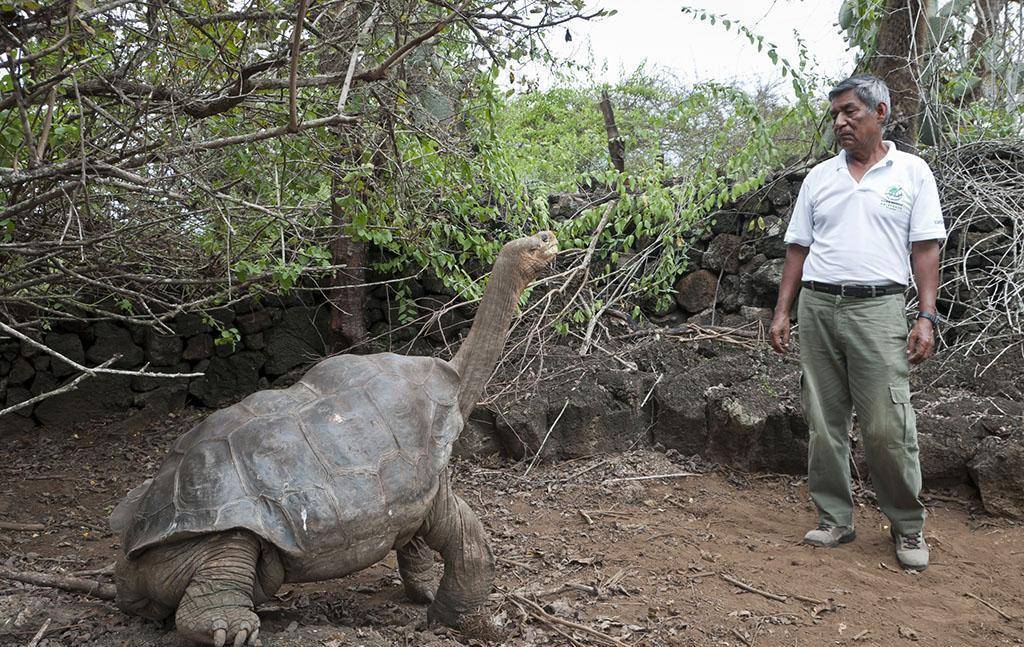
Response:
column 887, row 159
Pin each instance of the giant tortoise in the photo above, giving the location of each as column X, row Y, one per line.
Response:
column 320, row 480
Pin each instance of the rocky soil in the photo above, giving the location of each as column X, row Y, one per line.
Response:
column 591, row 549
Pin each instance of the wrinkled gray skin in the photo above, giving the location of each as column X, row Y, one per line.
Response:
column 321, row 480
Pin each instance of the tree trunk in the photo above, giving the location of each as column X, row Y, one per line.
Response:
column 347, row 292
column 900, row 43
column 347, row 295
column 616, row 148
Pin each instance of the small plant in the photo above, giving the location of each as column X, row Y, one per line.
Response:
column 228, row 337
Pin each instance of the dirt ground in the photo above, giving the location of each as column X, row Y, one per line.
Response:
column 590, row 552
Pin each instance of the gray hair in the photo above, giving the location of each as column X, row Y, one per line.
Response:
column 869, row 89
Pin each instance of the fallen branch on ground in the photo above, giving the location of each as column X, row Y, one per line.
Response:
column 651, row 477
column 538, row 612
column 39, row 634
column 1005, row 615
column 11, row 525
column 747, row 587
column 66, row 582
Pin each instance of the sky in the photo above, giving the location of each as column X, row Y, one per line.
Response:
column 657, row 33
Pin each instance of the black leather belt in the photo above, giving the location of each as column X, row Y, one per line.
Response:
column 859, row 291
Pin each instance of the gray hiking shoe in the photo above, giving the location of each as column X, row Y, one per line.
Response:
column 829, row 536
column 911, row 550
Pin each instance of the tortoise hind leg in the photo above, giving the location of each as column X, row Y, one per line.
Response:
column 452, row 529
column 415, row 566
column 218, row 604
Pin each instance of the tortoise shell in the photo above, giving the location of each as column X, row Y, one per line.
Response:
column 341, row 461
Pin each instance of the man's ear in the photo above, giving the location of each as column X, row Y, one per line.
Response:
column 882, row 111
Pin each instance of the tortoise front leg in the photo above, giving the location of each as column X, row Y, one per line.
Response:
column 452, row 529
column 218, row 603
column 415, row 566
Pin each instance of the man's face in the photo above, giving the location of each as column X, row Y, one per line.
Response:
column 854, row 123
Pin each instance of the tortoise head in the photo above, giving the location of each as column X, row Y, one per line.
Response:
column 531, row 254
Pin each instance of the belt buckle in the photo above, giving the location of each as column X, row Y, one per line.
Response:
column 842, row 289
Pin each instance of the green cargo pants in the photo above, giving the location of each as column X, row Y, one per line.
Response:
column 853, row 357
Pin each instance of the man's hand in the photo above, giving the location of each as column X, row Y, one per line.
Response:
column 778, row 334
column 920, row 341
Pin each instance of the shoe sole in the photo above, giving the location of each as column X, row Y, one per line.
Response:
column 845, row 539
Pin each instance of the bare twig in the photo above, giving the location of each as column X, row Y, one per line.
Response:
column 536, row 456
column 39, row 634
column 293, row 115
column 538, row 612
column 1002, row 613
column 354, row 59
column 675, row 475
column 751, row 589
column 70, row 386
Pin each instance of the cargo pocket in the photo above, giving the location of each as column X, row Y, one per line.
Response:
column 903, row 413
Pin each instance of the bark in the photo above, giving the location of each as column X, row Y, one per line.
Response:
column 348, row 293
column 616, row 148
column 900, row 42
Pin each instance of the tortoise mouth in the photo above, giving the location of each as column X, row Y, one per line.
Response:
column 551, row 250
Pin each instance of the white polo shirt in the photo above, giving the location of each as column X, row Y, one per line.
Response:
column 860, row 233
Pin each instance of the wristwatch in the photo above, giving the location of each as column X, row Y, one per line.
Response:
column 930, row 316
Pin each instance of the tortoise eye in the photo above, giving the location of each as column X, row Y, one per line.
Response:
column 544, row 238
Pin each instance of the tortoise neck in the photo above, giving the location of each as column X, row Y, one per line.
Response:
column 479, row 354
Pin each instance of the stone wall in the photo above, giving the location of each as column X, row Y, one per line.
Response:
column 735, row 265
column 279, row 337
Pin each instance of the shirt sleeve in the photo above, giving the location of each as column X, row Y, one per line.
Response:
column 801, row 223
column 926, row 214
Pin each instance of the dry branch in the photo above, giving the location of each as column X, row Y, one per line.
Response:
column 66, row 582
column 538, row 612
column 1002, row 613
column 39, row 634
column 751, row 589
column 27, row 527
column 651, row 477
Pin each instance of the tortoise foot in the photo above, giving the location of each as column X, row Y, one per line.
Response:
column 419, row 591
column 217, row 618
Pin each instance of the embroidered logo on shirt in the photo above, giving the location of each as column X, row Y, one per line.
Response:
column 893, row 198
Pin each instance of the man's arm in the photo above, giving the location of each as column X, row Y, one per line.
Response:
column 792, row 272
column 924, row 258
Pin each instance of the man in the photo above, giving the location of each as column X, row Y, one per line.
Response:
column 863, row 221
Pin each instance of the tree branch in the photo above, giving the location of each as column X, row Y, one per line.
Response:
column 378, row 72
column 293, row 117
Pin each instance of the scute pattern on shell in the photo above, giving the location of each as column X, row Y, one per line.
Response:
column 347, row 454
